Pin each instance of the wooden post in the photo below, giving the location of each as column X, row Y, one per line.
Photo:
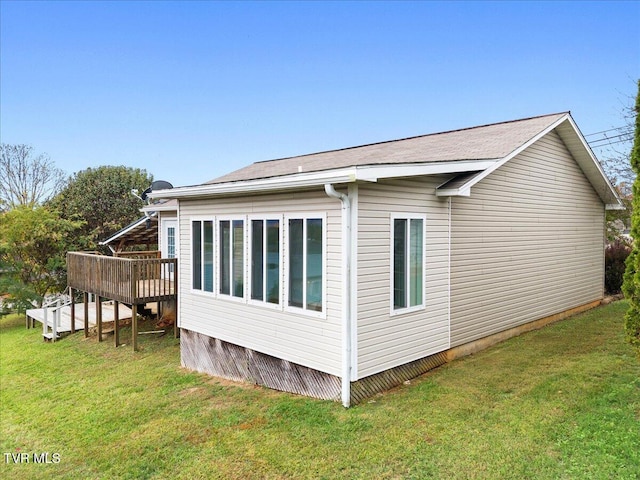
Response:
column 134, row 326
column 73, row 311
column 99, row 316
column 116, row 320
column 86, row 314
column 176, row 330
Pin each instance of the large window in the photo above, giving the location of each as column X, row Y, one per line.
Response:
column 408, row 263
column 202, row 252
column 231, row 248
column 265, row 261
column 306, row 263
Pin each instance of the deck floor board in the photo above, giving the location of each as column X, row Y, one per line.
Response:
column 108, row 315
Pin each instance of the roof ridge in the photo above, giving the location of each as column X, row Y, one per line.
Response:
column 411, row 137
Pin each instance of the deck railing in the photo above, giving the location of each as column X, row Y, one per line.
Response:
column 141, row 254
column 126, row 280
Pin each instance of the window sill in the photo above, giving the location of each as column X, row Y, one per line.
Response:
column 402, row 311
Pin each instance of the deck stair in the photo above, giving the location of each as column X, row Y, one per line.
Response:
column 55, row 317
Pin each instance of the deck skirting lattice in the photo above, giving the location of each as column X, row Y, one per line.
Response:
column 223, row 359
column 379, row 382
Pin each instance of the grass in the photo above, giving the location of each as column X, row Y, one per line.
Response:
column 559, row 403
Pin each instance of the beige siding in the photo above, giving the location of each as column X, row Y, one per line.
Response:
column 528, row 243
column 385, row 341
column 305, row 340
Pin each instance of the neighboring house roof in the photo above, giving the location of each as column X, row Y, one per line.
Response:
column 474, row 152
column 136, row 233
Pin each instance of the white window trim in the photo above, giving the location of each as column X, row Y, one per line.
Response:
column 216, row 259
column 201, row 291
column 298, row 310
column 264, row 218
column 407, row 216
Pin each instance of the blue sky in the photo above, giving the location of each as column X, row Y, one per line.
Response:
column 193, row 90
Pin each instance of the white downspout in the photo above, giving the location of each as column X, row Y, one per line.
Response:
column 346, row 282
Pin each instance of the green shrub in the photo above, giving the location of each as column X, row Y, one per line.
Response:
column 631, row 286
column 615, row 256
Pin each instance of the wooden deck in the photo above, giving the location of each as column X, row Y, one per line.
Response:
column 134, row 281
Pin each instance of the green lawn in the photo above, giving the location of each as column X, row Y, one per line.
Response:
column 559, row 403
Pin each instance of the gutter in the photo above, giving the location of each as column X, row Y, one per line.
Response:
column 303, row 180
column 346, row 289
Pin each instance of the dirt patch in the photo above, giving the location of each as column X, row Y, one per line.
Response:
column 191, row 391
column 612, row 298
column 223, row 382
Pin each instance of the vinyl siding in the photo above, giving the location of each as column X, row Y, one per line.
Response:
column 385, row 341
column 302, row 339
column 527, row 244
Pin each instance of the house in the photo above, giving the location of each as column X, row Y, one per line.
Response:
column 342, row 273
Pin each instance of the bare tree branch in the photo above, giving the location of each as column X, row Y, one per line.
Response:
column 26, row 179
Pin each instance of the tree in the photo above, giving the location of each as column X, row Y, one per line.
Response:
column 26, row 179
column 33, row 246
column 614, row 151
column 102, row 198
column 631, row 286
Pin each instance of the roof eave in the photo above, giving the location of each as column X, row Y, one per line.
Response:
column 577, row 145
column 127, row 229
column 366, row 173
column 579, row 148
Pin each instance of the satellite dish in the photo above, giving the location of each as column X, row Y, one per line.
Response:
column 157, row 185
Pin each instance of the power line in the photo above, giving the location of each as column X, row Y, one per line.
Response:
column 610, row 143
column 605, row 131
column 624, row 136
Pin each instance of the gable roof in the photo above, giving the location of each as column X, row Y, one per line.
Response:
column 477, row 143
column 479, row 149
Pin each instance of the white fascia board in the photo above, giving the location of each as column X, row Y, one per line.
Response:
column 372, row 173
column 301, row 180
column 151, row 208
column 595, row 163
column 518, row 150
column 463, row 191
column 368, row 173
column 592, row 163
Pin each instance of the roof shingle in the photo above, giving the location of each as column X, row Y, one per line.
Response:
column 476, row 143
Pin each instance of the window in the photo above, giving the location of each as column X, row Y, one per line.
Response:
column 196, row 253
column 202, row 252
column 265, row 261
column 306, row 263
column 207, row 253
column 408, row 263
column 231, row 247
